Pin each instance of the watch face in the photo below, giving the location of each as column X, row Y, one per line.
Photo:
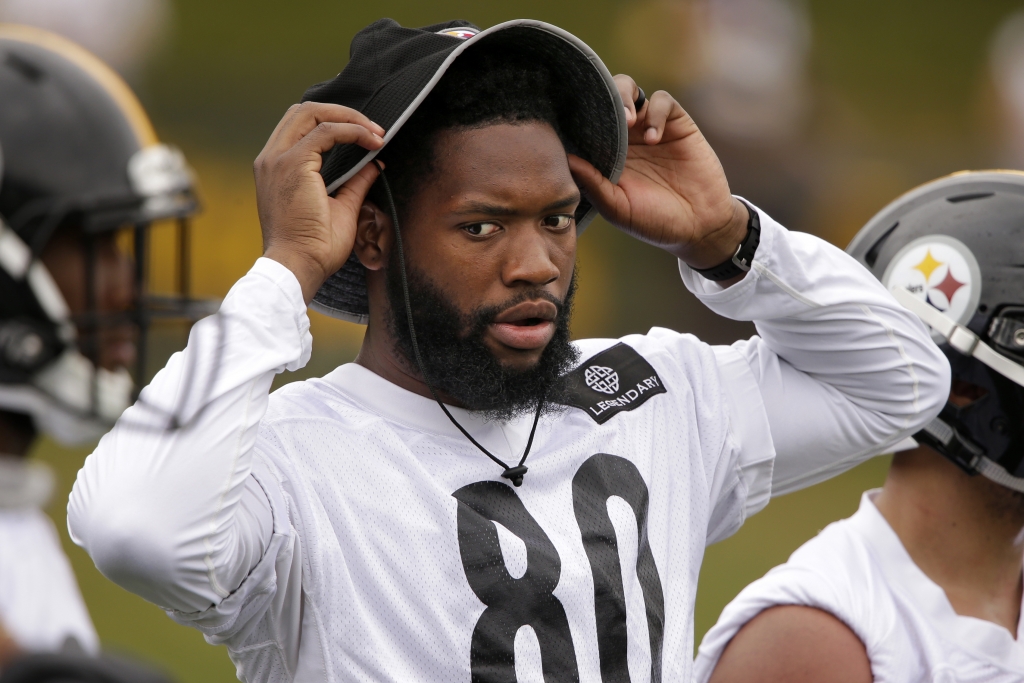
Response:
column 941, row 271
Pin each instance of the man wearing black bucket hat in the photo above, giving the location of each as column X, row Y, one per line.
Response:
column 474, row 472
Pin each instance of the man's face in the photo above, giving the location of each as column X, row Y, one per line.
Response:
column 107, row 337
column 490, row 242
column 494, row 226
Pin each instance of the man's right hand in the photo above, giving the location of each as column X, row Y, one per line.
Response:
column 304, row 229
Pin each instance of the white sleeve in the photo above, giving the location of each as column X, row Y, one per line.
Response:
column 844, row 371
column 175, row 515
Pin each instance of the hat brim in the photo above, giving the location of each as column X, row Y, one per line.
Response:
column 600, row 137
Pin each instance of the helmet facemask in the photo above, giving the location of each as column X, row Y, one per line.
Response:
column 53, row 363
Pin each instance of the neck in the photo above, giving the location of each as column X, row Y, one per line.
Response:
column 965, row 533
column 17, row 432
column 379, row 355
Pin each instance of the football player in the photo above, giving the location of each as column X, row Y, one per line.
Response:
column 924, row 582
column 81, row 166
column 477, row 497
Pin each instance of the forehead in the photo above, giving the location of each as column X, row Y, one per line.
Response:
column 520, row 164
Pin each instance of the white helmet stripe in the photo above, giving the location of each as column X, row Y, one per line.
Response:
column 15, row 256
column 16, row 259
column 959, row 337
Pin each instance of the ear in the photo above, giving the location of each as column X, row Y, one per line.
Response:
column 374, row 236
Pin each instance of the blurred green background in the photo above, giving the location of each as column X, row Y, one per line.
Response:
column 821, row 111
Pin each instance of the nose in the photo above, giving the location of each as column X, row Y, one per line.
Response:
column 116, row 287
column 532, row 258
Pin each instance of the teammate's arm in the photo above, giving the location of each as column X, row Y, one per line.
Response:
column 794, row 644
column 175, row 515
column 9, row 649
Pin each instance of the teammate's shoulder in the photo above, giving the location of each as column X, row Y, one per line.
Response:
column 834, row 571
column 837, row 550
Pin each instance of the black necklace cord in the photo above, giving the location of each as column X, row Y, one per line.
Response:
column 513, row 474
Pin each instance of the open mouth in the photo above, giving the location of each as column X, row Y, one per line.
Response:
column 526, row 326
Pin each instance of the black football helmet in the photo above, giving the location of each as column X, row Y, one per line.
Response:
column 78, row 150
column 952, row 251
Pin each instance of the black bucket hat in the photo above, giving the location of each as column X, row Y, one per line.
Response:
column 392, row 69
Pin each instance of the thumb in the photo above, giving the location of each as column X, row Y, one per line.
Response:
column 603, row 193
column 353, row 192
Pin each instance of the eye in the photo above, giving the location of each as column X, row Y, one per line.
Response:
column 558, row 222
column 482, row 229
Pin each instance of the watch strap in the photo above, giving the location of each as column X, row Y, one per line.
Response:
column 743, row 257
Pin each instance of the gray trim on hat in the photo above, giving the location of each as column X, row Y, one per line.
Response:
column 333, row 312
column 613, row 93
column 620, row 159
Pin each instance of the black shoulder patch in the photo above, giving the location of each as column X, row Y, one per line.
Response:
column 614, row 380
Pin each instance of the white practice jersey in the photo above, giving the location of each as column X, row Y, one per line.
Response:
column 41, row 607
column 858, row 570
column 342, row 529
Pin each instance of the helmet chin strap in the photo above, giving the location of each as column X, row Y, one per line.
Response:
column 959, row 337
column 938, row 433
column 515, row 473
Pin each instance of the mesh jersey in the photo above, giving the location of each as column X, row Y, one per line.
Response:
column 858, row 570
column 342, row 529
column 399, row 554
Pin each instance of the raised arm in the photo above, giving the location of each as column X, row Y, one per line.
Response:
column 166, row 504
column 841, row 370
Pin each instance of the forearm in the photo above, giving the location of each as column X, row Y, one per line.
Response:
column 165, row 505
column 9, row 649
column 843, row 369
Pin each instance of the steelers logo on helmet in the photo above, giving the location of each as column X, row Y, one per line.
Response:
column 941, row 271
column 461, row 32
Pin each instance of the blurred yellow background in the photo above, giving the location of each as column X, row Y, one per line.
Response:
column 821, row 112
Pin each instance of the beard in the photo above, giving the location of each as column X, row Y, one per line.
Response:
column 458, row 363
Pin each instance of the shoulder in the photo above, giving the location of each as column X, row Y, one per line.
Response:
column 830, row 580
column 794, row 643
column 680, row 360
column 320, row 400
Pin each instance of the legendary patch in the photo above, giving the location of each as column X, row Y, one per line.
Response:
column 941, row 271
column 614, row 380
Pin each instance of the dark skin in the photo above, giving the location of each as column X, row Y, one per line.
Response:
column 496, row 227
column 963, row 532
column 114, row 346
column 492, row 223
column 9, row 650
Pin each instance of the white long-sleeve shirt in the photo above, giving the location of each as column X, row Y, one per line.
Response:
column 342, row 528
column 41, row 608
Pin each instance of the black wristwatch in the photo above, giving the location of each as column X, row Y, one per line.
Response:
column 744, row 256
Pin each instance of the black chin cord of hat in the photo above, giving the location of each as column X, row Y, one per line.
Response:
column 513, row 474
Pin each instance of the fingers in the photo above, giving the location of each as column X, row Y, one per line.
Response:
column 629, row 91
column 599, row 190
column 327, row 134
column 659, row 110
column 354, row 191
column 301, row 119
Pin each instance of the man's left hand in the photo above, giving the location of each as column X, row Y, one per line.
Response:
column 673, row 192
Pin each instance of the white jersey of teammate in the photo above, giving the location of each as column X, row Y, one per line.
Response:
column 41, row 607
column 858, row 570
column 343, row 529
